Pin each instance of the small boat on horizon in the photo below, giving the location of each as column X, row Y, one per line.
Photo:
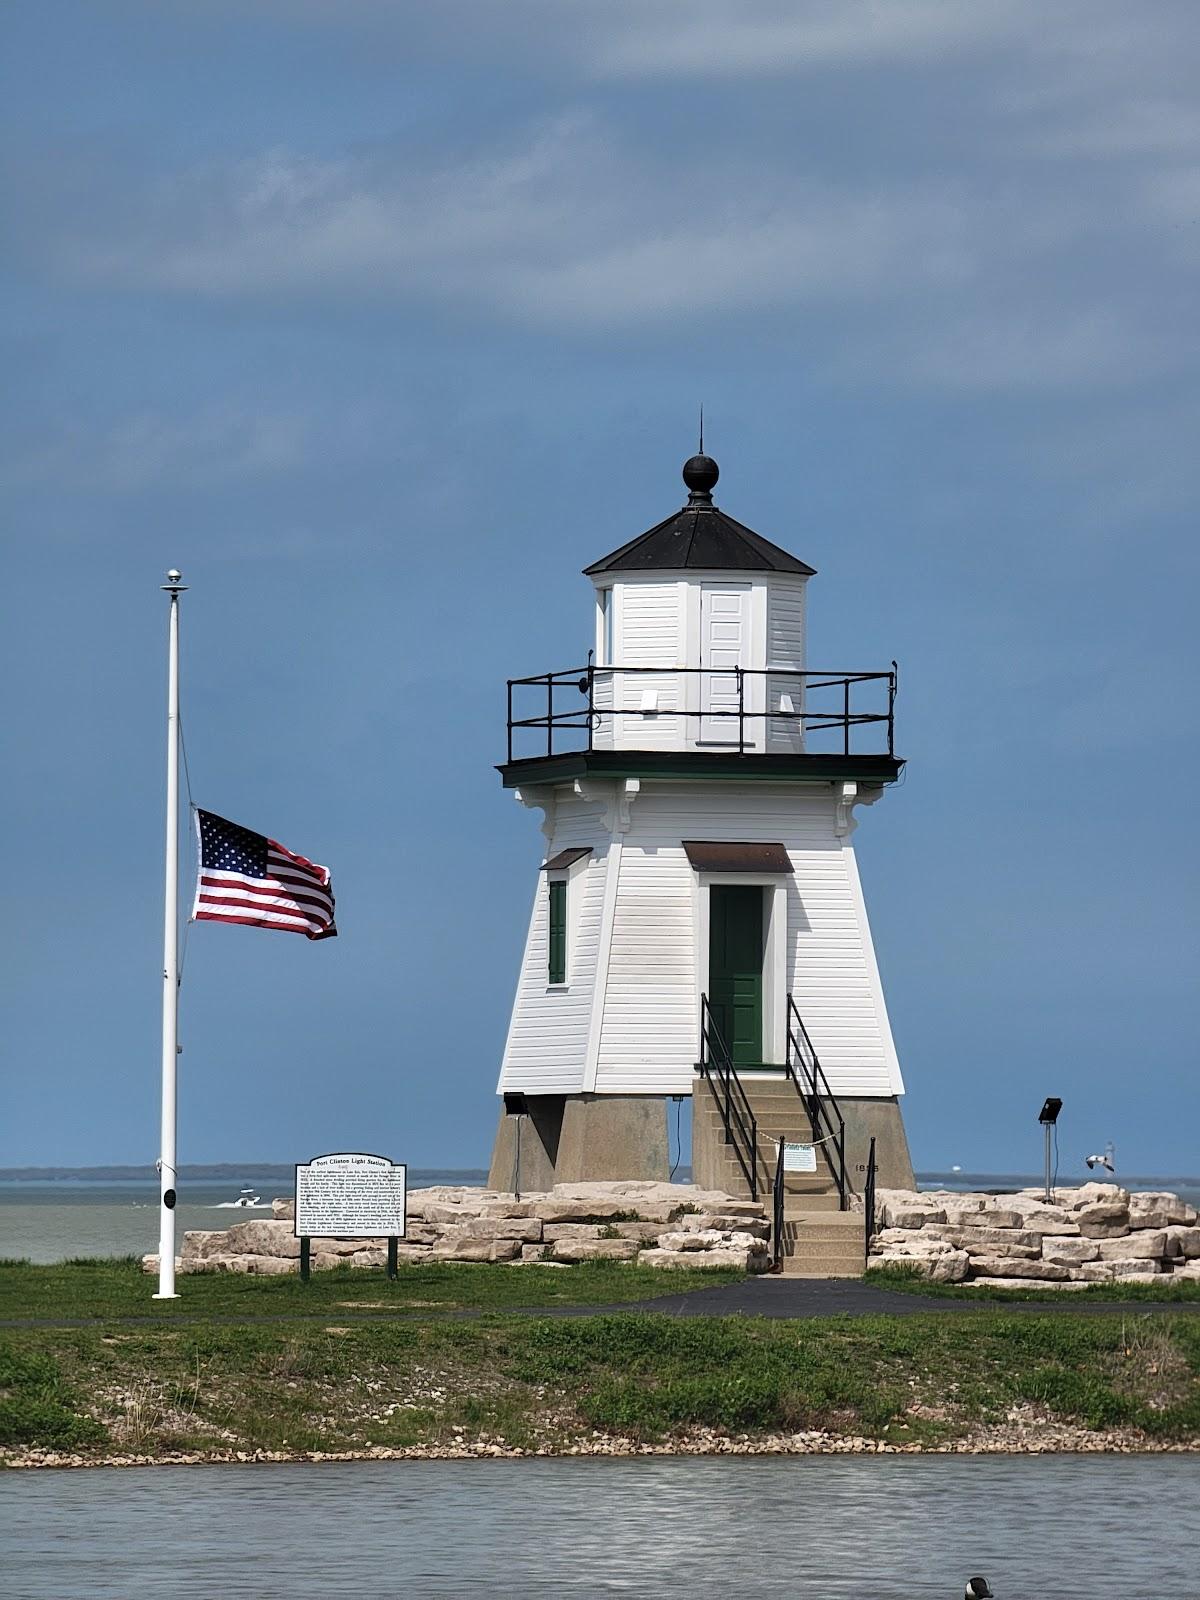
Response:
column 247, row 1200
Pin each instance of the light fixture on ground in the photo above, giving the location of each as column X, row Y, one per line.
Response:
column 1048, row 1116
column 515, row 1106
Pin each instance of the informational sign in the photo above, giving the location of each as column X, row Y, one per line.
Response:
column 799, row 1158
column 350, row 1196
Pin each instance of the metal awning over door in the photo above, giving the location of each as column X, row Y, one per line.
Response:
column 730, row 855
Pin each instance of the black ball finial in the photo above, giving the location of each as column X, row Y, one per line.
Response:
column 700, row 473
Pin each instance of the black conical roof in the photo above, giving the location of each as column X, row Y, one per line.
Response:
column 699, row 535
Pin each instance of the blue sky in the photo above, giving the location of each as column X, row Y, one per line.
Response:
column 382, row 320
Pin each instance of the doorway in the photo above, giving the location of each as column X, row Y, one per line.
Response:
column 724, row 647
column 735, row 968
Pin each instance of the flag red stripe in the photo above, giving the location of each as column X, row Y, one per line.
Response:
column 293, row 913
column 254, row 922
column 284, row 869
column 280, row 908
column 299, row 861
column 306, row 884
column 223, row 875
column 264, row 889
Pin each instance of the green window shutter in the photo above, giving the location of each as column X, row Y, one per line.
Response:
column 558, row 933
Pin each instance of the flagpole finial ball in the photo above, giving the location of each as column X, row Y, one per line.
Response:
column 174, row 574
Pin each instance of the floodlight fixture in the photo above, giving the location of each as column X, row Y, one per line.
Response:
column 1048, row 1117
column 515, row 1106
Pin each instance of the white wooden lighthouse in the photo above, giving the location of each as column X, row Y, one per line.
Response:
column 698, row 925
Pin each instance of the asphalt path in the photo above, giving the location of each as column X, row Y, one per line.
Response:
column 791, row 1298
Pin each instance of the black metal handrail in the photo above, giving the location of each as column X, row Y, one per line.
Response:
column 718, row 1071
column 777, row 1208
column 869, row 1204
column 843, row 715
column 824, row 1114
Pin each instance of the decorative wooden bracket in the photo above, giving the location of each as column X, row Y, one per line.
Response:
column 847, row 796
column 540, row 798
column 616, row 798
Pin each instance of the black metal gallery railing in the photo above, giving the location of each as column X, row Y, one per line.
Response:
column 564, row 713
column 824, row 1114
column 777, row 1212
column 869, row 1205
column 718, row 1071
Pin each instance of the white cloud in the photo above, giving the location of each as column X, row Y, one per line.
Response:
column 1038, row 345
column 519, row 233
column 1175, row 193
column 715, row 38
column 1025, row 238
column 1136, row 128
column 225, row 442
column 704, row 38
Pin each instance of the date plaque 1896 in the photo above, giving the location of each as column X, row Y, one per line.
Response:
column 350, row 1196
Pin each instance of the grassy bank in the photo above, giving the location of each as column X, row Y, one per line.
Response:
column 117, row 1287
column 348, row 1381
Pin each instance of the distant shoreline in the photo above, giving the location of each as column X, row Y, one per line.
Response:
column 284, row 1172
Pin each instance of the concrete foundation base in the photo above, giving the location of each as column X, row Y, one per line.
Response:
column 882, row 1121
column 526, row 1146
column 581, row 1139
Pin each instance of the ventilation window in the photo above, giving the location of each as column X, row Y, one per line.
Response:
column 558, row 930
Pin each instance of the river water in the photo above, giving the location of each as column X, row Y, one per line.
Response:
column 811, row 1528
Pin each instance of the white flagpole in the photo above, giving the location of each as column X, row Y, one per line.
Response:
column 170, row 1012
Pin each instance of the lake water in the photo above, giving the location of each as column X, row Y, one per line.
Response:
column 54, row 1219
column 816, row 1528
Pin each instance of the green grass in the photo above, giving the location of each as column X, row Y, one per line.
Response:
column 529, row 1381
column 909, row 1280
column 117, row 1287
column 36, row 1405
column 351, row 1361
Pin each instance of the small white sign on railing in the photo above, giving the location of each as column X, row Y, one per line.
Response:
column 799, row 1158
column 351, row 1196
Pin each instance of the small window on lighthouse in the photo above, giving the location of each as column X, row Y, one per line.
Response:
column 558, row 931
column 606, row 627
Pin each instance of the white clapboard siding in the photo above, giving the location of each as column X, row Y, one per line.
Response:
column 603, row 698
column 785, row 648
column 649, row 628
column 547, row 1039
column 648, row 1037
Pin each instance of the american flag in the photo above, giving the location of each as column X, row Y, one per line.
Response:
column 246, row 877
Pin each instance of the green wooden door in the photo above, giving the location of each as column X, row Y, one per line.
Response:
column 735, row 968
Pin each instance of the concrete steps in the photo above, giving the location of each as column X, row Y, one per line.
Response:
column 816, row 1193
column 823, row 1244
column 819, row 1240
column 779, row 1115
